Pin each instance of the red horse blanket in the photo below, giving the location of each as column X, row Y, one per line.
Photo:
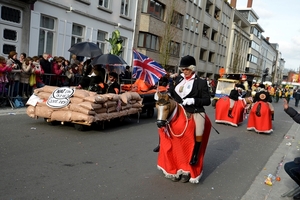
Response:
column 177, row 144
column 264, row 122
column 238, row 111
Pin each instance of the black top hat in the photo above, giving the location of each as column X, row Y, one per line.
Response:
column 187, row 61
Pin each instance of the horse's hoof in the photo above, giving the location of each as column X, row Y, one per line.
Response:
column 185, row 178
column 175, row 179
column 156, row 149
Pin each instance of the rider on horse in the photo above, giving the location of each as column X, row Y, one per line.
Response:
column 192, row 93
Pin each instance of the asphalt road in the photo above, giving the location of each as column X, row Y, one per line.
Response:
column 39, row 161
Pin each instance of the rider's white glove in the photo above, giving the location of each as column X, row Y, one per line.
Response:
column 188, row 101
column 240, row 98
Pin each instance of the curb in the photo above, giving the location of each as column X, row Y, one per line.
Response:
column 11, row 111
column 286, row 151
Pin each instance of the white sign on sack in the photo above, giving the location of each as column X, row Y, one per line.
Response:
column 60, row 97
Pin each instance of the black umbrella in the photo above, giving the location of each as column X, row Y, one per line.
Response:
column 108, row 59
column 87, row 49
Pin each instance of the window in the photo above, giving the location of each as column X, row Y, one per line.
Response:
column 177, row 19
column 211, row 57
column 206, row 31
column 214, row 35
column 148, row 41
column 196, row 27
column 208, row 7
column 77, row 34
column 156, row 9
column 174, row 48
column 254, row 45
column 8, row 48
column 46, row 35
column 10, row 34
column 252, row 58
column 203, row 54
column 10, row 14
column 125, row 7
column 255, row 32
column 183, row 49
column 104, row 3
column 192, row 24
column 187, row 21
column 101, row 36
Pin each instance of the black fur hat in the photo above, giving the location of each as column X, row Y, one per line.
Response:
column 187, row 61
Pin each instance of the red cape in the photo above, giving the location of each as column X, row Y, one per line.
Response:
column 222, row 108
column 177, row 144
column 262, row 123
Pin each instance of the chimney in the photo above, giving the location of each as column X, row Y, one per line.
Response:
column 268, row 38
column 249, row 5
column 233, row 3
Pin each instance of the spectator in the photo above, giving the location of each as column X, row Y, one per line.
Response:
column 15, row 64
column 113, row 86
column 297, row 97
column 24, row 80
column 292, row 168
column 58, row 69
column 73, row 59
column 69, row 79
column 3, row 74
column 38, row 71
column 127, row 74
column 46, row 66
column 22, row 57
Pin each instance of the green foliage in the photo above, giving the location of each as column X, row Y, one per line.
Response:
column 116, row 43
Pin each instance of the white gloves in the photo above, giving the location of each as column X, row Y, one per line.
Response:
column 188, row 101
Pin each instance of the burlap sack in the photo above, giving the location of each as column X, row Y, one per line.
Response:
column 101, row 98
column 80, row 117
column 90, row 106
column 31, row 111
column 109, row 104
column 101, row 110
column 81, row 93
column 62, row 116
column 133, row 111
column 80, row 109
column 43, row 111
column 44, row 95
column 137, row 105
column 128, row 96
column 76, row 100
column 111, row 109
column 101, row 117
column 90, row 99
column 46, row 88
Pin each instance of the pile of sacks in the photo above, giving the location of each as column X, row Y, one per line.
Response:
column 85, row 106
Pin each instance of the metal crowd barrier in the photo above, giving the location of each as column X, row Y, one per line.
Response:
column 15, row 94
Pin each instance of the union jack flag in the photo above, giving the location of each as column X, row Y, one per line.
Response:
column 146, row 69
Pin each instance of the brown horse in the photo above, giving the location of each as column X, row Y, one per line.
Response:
column 177, row 138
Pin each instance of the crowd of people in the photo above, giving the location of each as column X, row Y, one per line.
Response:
column 20, row 74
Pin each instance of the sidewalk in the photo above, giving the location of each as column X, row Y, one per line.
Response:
column 286, row 151
column 10, row 111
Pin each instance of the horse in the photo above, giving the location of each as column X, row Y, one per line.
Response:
column 176, row 130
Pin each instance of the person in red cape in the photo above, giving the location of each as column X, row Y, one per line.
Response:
column 262, row 112
column 231, row 109
column 181, row 154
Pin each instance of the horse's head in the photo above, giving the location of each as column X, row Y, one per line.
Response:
column 164, row 106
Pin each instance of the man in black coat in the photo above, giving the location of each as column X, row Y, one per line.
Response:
column 293, row 168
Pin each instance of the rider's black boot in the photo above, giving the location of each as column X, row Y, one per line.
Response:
column 229, row 113
column 258, row 114
column 195, row 155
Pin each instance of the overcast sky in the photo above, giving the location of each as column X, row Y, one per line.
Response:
column 281, row 22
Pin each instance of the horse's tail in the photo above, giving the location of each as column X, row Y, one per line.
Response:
column 257, row 112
